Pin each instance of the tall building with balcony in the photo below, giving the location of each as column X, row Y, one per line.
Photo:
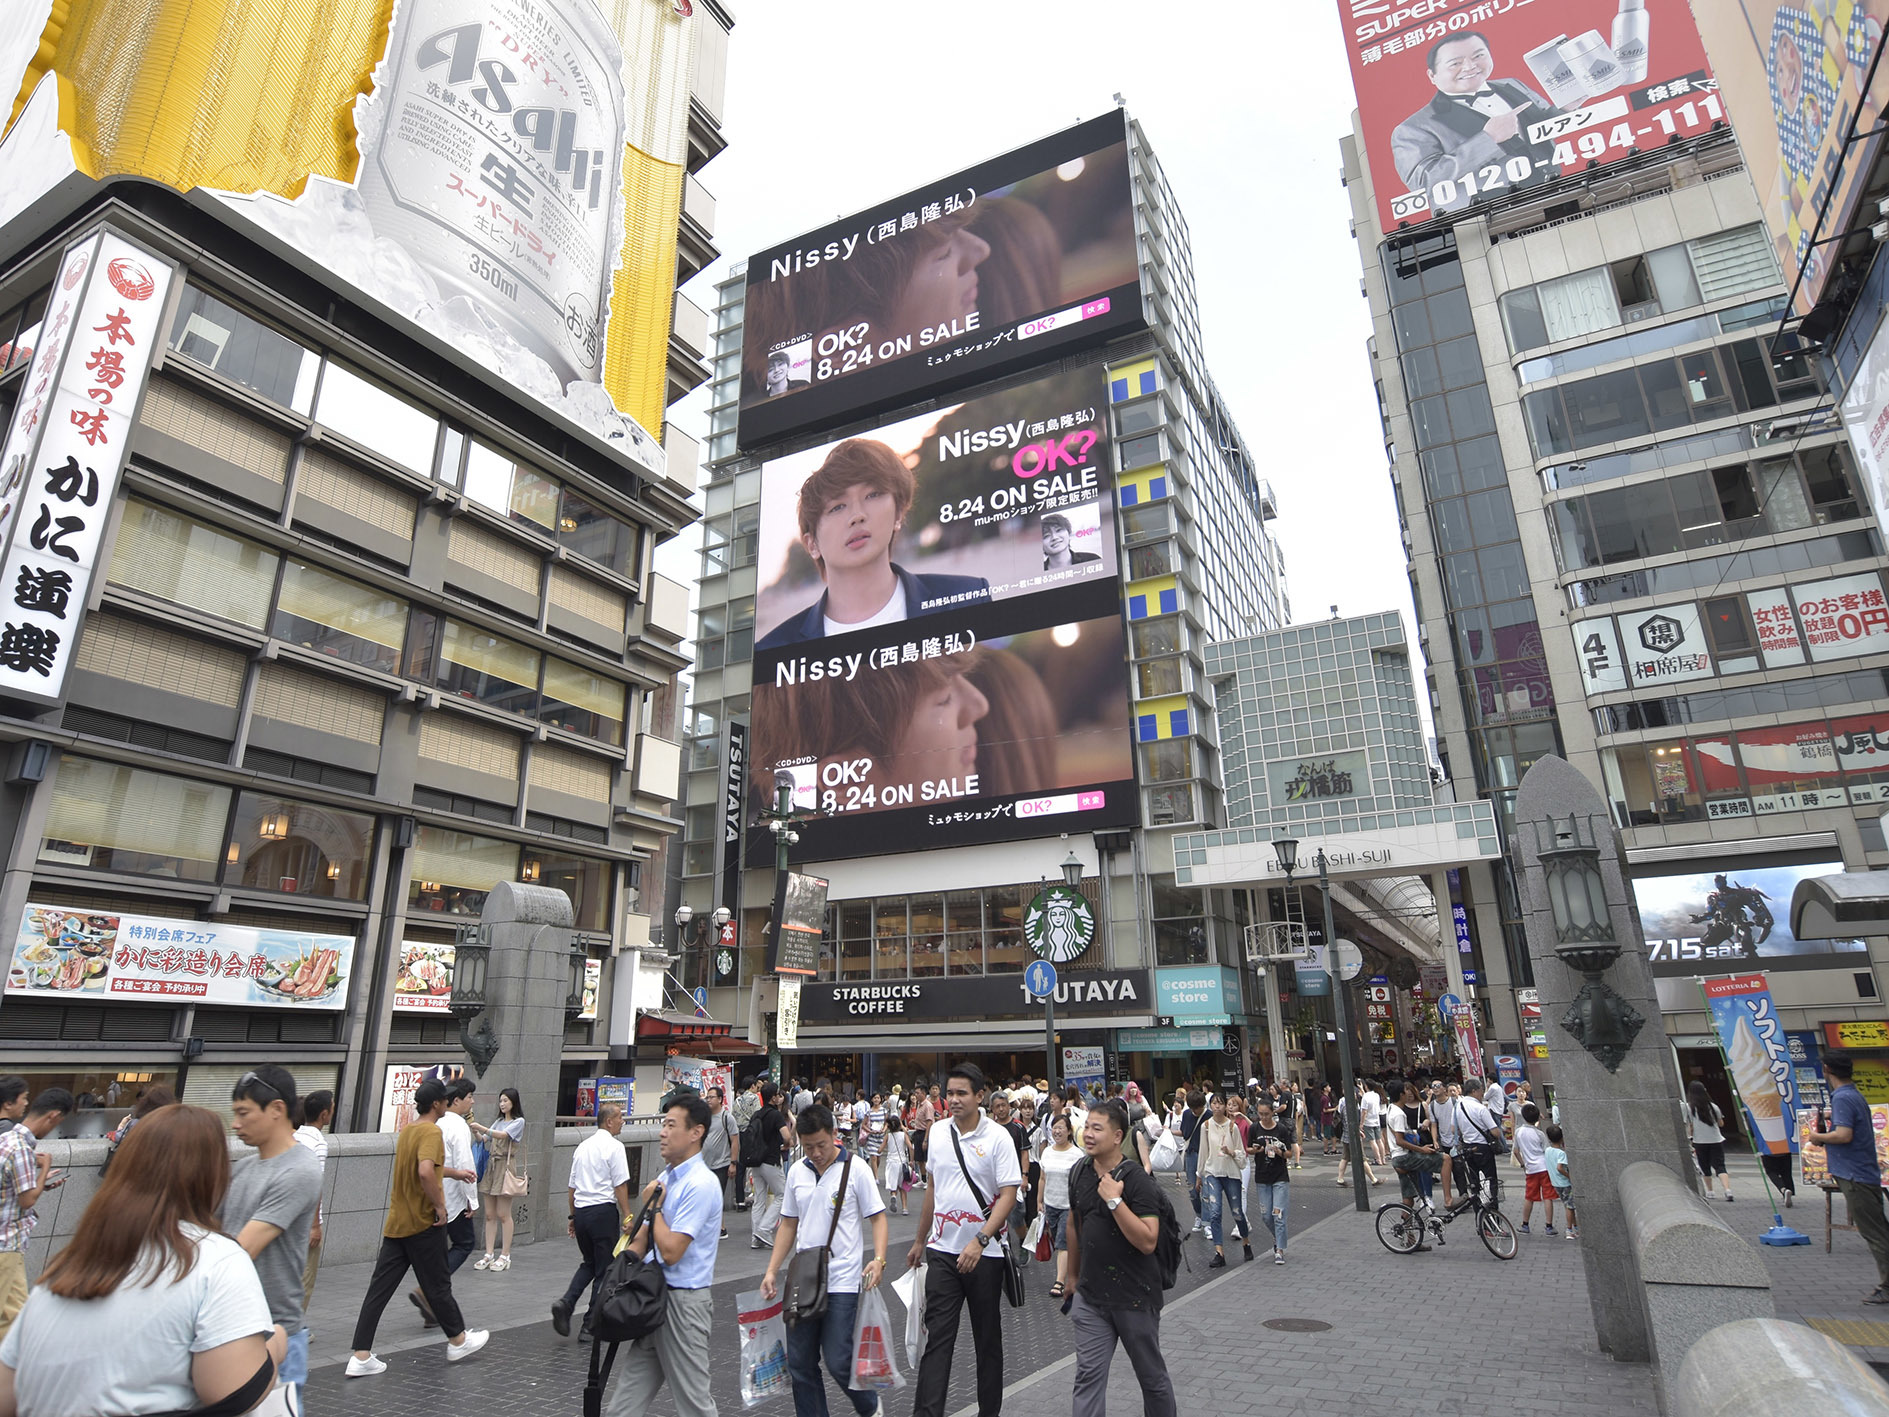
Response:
column 1199, row 564
column 371, row 631
column 1637, row 541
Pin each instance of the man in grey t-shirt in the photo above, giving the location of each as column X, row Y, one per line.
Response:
column 271, row 1204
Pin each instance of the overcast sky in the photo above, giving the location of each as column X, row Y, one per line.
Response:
column 830, row 109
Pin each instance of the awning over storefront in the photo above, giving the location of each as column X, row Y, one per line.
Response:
column 672, row 1025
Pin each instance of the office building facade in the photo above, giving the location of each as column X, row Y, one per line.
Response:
column 923, row 951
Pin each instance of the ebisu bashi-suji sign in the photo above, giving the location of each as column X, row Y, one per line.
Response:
column 65, row 450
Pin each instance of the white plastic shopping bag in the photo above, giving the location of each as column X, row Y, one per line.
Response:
column 873, row 1367
column 1167, row 1153
column 910, row 1287
column 763, row 1348
column 1034, row 1233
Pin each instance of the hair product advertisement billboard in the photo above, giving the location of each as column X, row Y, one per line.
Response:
column 1726, row 921
column 940, row 656
column 1793, row 87
column 1003, row 265
column 1463, row 101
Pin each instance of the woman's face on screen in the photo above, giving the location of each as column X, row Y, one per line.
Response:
column 940, row 740
column 856, row 528
column 943, row 285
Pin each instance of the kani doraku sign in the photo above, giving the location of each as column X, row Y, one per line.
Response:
column 1078, row 993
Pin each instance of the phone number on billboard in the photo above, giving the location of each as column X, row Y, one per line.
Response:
column 1574, row 144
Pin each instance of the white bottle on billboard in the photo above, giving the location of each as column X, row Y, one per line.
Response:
column 1630, row 41
column 1593, row 63
column 1552, row 72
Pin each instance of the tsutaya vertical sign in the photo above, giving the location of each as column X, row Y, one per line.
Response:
column 66, row 448
column 734, row 788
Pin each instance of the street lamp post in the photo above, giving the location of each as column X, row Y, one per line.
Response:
column 1287, row 850
column 781, row 820
column 1072, row 877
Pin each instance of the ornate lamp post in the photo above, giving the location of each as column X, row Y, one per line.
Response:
column 472, row 950
column 1604, row 1023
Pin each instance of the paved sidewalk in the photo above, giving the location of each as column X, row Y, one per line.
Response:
column 1523, row 1340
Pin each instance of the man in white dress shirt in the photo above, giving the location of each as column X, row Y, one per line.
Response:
column 599, row 1195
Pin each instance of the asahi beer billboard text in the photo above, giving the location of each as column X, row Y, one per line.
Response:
column 1463, row 102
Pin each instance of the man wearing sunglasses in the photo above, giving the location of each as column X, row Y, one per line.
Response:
column 271, row 1203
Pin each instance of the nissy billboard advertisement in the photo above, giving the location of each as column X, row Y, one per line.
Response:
column 1001, row 266
column 940, row 655
column 1462, row 101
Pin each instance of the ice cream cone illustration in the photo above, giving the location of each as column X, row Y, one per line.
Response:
column 1757, row 1087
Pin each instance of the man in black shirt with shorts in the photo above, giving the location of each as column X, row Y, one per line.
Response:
column 1114, row 1277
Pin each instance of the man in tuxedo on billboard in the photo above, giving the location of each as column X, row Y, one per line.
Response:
column 1474, row 122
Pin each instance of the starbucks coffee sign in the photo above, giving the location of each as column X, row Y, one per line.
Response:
column 1059, row 923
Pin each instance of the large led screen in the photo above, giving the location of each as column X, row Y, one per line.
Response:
column 940, row 655
column 999, row 267
column 1730, row 920
column 1462, row 102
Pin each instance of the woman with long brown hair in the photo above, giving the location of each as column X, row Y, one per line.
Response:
column 149, row 1307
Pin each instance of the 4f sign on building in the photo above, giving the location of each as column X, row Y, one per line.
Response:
column 1059, row 924
column 66, row 449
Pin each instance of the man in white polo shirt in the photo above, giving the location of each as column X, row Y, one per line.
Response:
column 958, row 1242
column 600, row 1209
column 833, row 1193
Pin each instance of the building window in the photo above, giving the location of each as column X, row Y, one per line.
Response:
column 176, row 558
column 1156, row 637
column 341, row 618
column 1179, row 916
column 1170, row 760
column 117, row 818
column 377, row 419
column 1170, row 806
column 579, row 700
column 477, row 664
column 277, row 844
column 964, row 942
column 244, row 350
column 452, row 871
column 585, row 881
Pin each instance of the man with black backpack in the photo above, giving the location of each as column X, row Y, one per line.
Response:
column 1124, row 1240
column 764, row 1141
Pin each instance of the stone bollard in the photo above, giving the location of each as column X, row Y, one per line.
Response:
column 1767, row 1366
column 1695, row 1271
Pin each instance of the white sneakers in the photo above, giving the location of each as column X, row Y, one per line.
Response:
column 475, row 1340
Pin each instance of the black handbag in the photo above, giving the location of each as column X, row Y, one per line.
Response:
column 632, row 1302
column 805, row 1298
column 1013, row 1262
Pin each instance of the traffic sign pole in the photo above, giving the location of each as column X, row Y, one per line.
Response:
column 1043, row 973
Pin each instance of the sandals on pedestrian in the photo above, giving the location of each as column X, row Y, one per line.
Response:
column 1056, row 1291
column 502, row 1262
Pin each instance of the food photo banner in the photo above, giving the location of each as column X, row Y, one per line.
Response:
column 62, row 953
column 1465, row 101
column 1009, row 263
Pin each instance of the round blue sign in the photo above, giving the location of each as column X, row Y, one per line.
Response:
column 1040, row 978
column 1447, row 1004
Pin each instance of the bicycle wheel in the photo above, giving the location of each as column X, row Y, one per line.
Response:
column 1497, row 1233
column 1398, row 1228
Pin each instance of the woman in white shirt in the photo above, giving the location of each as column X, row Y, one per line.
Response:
column 898, row 1161
column 1371, row 1112
column 1222, row 1161
column 149, row 1308
column 1705, row 1124
column 1057, row 1160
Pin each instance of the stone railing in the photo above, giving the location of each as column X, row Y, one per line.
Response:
column 1759, row 1367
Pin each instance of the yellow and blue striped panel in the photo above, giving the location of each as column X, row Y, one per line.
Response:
column 1156, row 719
column 1160, row 596
column 1139, row 488
column 1131, row 381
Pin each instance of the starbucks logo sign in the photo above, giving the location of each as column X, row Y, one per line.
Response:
column 1059, row 924
column 724, row 963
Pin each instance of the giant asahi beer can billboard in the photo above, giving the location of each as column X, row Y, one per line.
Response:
column 492, row 151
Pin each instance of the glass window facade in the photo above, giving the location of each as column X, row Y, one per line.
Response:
column 117, row 818
column 244, row 350
column 277, row 844
column 177, row 558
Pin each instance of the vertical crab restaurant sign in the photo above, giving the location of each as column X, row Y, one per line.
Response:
column 66, row 449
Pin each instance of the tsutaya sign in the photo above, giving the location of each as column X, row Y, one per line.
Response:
column 1078, row 991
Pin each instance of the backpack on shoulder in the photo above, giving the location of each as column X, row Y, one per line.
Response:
column 1168, row 1251
column 754, row 1147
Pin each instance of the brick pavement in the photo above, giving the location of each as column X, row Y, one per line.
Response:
column 528, row 1369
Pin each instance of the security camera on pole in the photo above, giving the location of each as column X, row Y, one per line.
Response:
column 1347, row 963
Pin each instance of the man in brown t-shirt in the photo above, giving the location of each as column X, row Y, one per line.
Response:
column 414, row 1237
